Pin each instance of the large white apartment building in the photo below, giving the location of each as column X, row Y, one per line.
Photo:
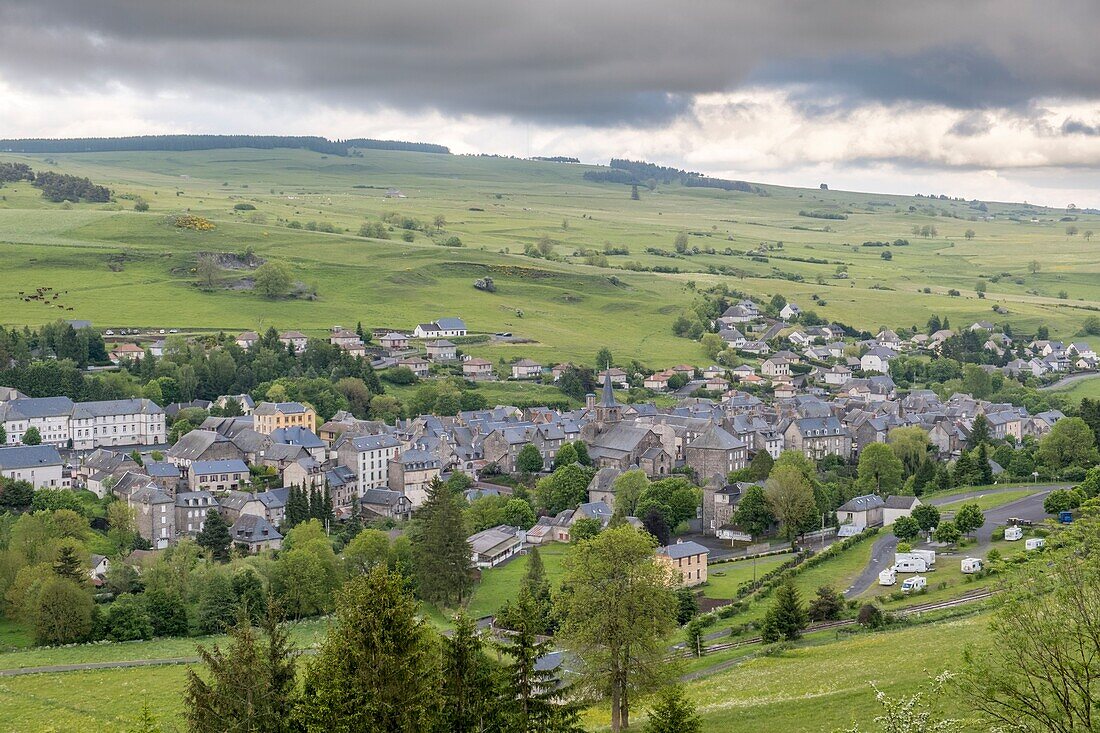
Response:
column 84, row 425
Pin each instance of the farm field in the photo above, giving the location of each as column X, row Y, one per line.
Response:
column 121, row 268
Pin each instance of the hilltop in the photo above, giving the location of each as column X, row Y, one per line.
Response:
column 602, row 269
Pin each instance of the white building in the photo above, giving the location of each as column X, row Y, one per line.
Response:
column 41, row 465
column 369, row 456
column 117, row 422
column 443, row 328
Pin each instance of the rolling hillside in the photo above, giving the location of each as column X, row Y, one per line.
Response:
column 122, row 268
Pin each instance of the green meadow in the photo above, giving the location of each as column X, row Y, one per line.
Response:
column 121, row 268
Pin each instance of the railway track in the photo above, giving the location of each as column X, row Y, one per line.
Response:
column 971, row 597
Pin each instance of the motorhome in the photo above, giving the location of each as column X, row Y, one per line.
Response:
column 889, row 576
column 1013, row 533
column 1035, row 543
column 917, row 582
column 972, row 565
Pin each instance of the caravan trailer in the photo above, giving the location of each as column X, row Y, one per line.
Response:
column 972, row 565
column 1013, row 533
column 1035, row 543
column 911, row 565
column 928, row 555
column 889, row 576
column 917, row 582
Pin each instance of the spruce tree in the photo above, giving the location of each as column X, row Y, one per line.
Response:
column 786, row 618
column 326, row 507
column 441, row 554
column 250, row 686
column 984, row 470
column 536, row 698
column 214, row 536
column 378, row 668
column 68, row 565
column 471, row 698
column 672, row 713
column 145, row 723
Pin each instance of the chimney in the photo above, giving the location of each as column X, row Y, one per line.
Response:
column 590, row 400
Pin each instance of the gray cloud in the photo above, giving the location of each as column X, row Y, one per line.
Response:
column 563, row 62
column 1077, row 127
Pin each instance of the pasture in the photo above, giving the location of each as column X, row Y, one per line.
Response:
column 121, row 268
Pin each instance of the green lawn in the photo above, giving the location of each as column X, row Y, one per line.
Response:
column 724, row 579
column 501, row 584
column 986, row 502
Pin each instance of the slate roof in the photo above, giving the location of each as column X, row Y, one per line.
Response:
column 716, row 439
column 252, row 528
column 682, row 549
column 29, row 456
column 862, row 503
column 162, row 469
column 36, row 407
column 231, row 465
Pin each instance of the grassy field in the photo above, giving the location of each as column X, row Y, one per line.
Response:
column 501, row 584
column 723, row 580
column 123, row 268
column 986, row 502
column 1083, row 388
column 824, row 684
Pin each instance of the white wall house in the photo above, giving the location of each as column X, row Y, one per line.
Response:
column 369, row 456
column 41, row 465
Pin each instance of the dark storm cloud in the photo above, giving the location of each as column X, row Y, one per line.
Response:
column 1077, row 127
column 593, row 62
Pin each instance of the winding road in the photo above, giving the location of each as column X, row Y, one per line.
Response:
column 1066, row 381
column 882, row 552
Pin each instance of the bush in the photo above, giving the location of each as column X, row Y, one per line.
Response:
column 870, row 616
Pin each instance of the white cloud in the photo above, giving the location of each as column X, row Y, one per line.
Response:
column 758, row 134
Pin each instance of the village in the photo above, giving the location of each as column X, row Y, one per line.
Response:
column 811, row 390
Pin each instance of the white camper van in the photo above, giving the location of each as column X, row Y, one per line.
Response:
column 1013, row 533
column 889, row 576
column 1035, row 543
column 917, row 582
column 972, row 565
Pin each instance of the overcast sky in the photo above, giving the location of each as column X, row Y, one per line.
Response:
column 994, row 99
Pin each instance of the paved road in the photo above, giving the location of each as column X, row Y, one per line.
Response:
column 1066, row 381
column 882, row 552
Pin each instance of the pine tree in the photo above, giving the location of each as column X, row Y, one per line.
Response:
column 145, row 723
column 672, row 713
column 536, row 697
column 786, row 618
column 378, row 668
column 963, row 474
column 979, row 432
column 441, row 554
column 471, row 699
column 316, row 505
column 582, row 453
column 249, row 687
column 326, row 507
column 68, row 565
column 214, row 536
column 760, row 466
column 984, row 470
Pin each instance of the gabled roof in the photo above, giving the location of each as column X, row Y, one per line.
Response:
column 252, row 528
column 29, row 456
column 230, row 465
column 862, row 503
column 682, row 549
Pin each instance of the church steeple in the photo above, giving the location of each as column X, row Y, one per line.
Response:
column 608, row 410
